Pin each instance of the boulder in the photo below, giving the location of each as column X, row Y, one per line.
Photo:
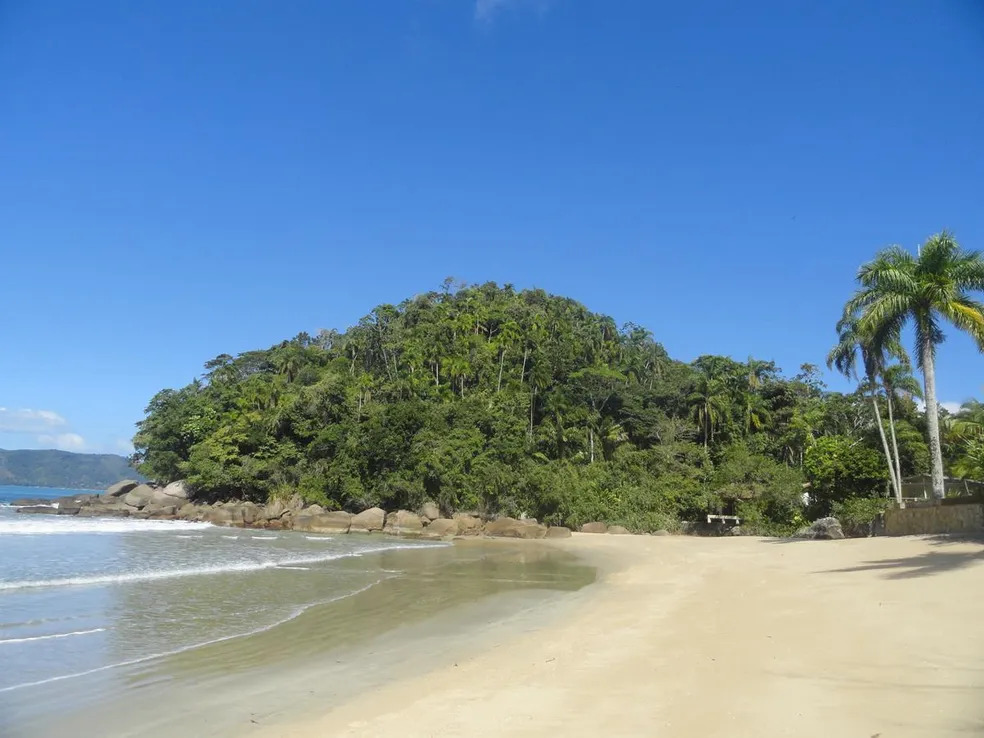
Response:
column 178, row 490
column 160, row 498
column 224, row 515
column 403, row 522
column 661, row 532
column 442, row 527
column 325, row 522
column 617, row 530
column 250, row 512
column 39, row 510
column 190, row 511
column 822, row 529
column 273, row 510
column 104, row 511
column 30, row 502
column 468, row 525
column 430, row 510
column 368, row 521
column 512, row 528
column 558, row 531
column 83, row 498
column 164, row 512
column 139, row 496
column 121, row 488
column 594, row 528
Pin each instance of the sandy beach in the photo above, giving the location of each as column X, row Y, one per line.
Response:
column 715, row 637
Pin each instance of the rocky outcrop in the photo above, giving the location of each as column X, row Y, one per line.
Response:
column 178, row 490
column 139, row 496
column 403, row 522
column 513, row 528
column 442, row 527
column 121, row 488
column 558, row 531
column 430, row 510
column 325, row 522
column 824, row 529
column 594, row 528
column 468, row 524
column 368, row 521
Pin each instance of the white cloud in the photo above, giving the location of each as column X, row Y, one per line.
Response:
column 485, row 10
column 951, row 407
column 123, row 446
column 63, row 441
column 29, row 421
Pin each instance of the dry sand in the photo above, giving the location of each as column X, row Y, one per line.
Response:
column 700, row 637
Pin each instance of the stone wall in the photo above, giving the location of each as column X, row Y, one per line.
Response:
column 923, row 519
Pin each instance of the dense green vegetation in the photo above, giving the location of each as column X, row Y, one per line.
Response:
column 63, row 469
column 485, row 398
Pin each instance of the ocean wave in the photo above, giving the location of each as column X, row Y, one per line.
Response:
column 230, row 568
column 28, row 639
column 30, row 526
column 143, row 659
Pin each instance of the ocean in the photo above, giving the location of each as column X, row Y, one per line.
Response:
column 94, row 608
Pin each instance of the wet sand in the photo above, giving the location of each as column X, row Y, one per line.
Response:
column 697, row 637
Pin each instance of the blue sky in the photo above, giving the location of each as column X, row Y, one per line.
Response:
column 179, row 180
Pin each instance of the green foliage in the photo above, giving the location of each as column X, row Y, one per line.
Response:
column 858, row 514
column 49, row 468
column 501, row 402
column 838, row 468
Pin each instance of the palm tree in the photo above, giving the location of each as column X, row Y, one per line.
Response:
column 897, row 380
column 897, row 287
column 708, row 404
column 844, row 356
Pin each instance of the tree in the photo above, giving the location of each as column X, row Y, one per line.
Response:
column 898, row 288
column 708, row 405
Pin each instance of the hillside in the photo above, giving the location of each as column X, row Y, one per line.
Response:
column 48, row 468
column 484, row 398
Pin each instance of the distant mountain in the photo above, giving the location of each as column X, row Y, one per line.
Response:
column 50, row 468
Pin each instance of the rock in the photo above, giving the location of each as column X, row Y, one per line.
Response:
column 558, row 531
column 468, row 524
column 224, row 515
column 661, row 533
column 822, row 529
column 250, row 512
column 325, row 522
column 512, row 528
column 430, row 510
column 312, row 510
column 83, row 498
column 104, row 511
column 121, row 488
column 179, row 490
column 190, row 511
column 273, row 510
column 736, row 531
column 38, row 510
column 402, row 522
column 165, row 512
column 442, row 527
column 160, row 499
column 594, row 528
column 31, row 502
column 368, row 521
column 139, row 496
column 617, row 530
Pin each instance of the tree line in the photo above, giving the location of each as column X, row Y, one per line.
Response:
column 501, row 401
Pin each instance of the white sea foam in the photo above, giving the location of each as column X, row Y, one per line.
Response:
column 233, row 567
column 264, row 538
column 29, row 639
column 23, row 525
column 318, row 538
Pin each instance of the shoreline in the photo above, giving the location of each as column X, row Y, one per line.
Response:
column 696, row 637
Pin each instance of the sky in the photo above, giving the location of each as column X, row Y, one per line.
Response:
column 180, row 180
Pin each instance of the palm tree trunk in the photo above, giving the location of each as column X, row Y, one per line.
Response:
column 502, row 359
column 932, row 420
column 895, row 448
column 888, row 454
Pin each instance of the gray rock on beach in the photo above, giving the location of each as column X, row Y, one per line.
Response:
column 512, row 528
column 121, row 488
column 326, row 522
column 468, row 524
column 139, row 496
column 824, row 529
column 403, row 522
column 594, row 528
column 368, row 521
column 430, row 510
column 442, row 527
column 617, row 530
column 558, row 531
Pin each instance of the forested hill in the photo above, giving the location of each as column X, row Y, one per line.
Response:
column 48, row 468
column 485, row 398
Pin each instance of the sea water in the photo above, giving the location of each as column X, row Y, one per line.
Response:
column 94, row 609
